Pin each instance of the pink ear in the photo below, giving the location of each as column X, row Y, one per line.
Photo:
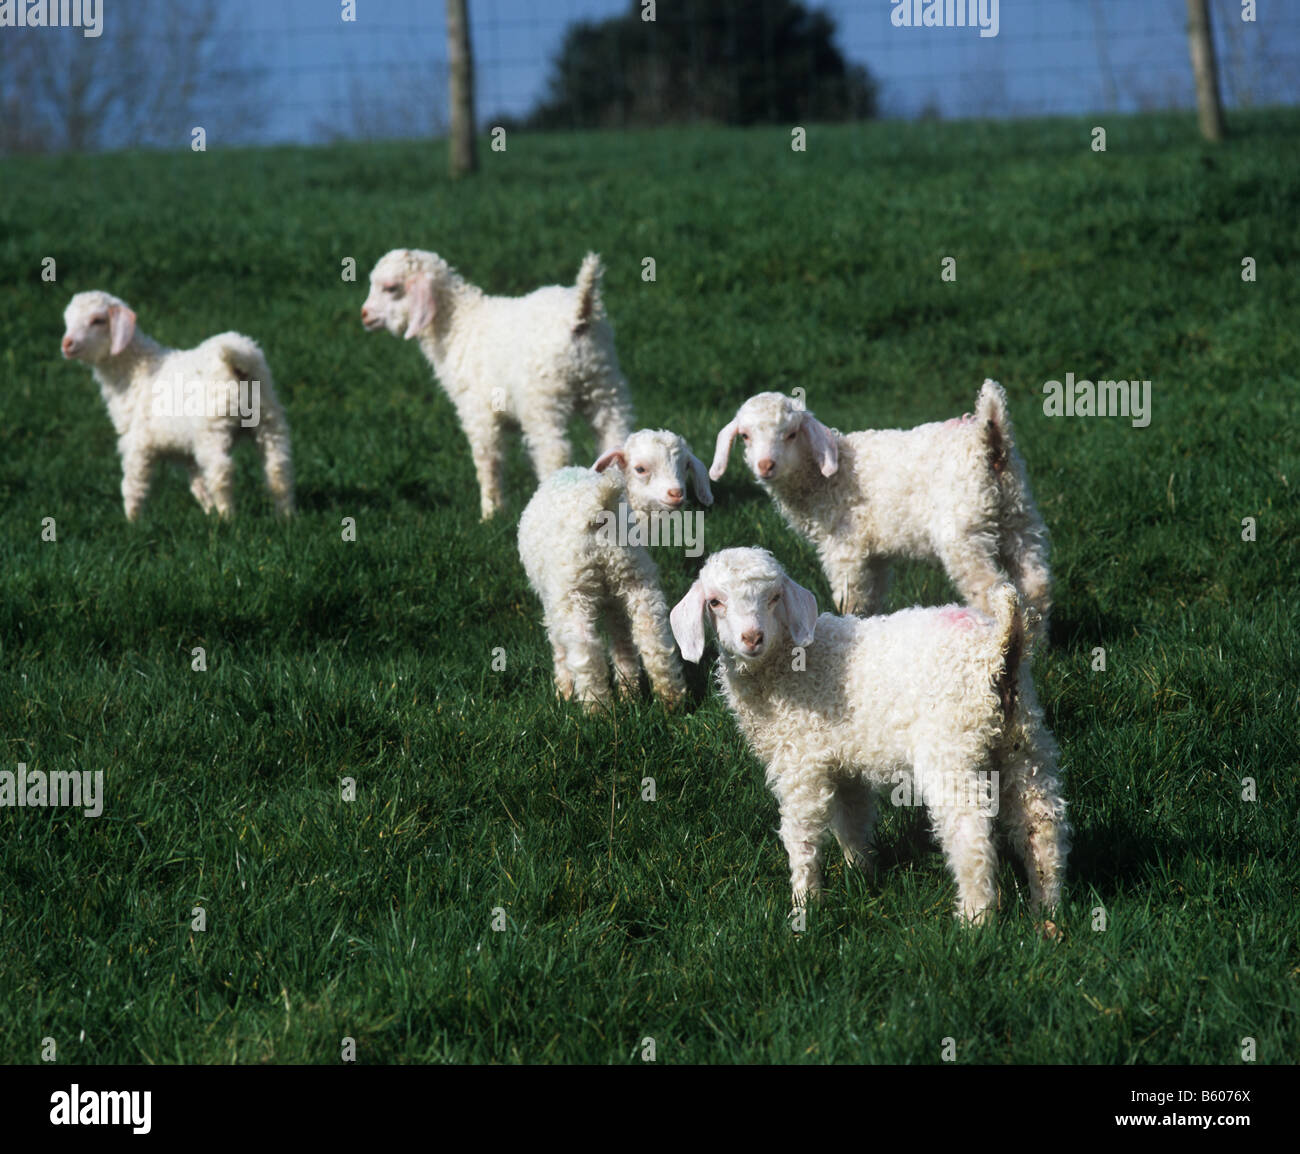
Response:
column 419, row 292
column 798, row 609
column 687, row 620
column 611, row 455
column 121, row 327
column 722, row 450
column 823, row 444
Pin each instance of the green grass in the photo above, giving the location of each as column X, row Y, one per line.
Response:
column 476, row 789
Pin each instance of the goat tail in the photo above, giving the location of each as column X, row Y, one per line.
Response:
column 1023, row 544
column 1013, row 642
column 995, row 422
column 588, row 287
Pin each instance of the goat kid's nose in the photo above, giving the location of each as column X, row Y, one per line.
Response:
column 766, row 465
column 675, row 494
column 752, row 638
column 67, row 344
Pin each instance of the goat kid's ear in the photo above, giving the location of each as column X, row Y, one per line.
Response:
column 611, row 456
column 687, row 621
column 722, row 450
column 121, row 327
column 798, row 611
column 699, row 478
column 419, row 292
column 822, row 442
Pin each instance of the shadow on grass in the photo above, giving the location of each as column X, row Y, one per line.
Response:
column 1086, row 630
column 1117, row 858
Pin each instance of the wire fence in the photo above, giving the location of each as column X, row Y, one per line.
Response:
column 300, row 72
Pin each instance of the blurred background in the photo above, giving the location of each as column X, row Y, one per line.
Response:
column 297, row 72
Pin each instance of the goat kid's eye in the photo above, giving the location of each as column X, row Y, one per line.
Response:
column 641, row 470
column 100, row 321
column 790, row 436
column 714, row 603
column 393, row 290
column 775, row 598
column 745, row 437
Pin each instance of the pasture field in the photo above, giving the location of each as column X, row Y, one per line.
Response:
column 476, row 790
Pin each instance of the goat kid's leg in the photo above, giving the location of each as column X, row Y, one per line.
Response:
column 1033, row 806
column 858, row 584
column 853, row 819
column 962, row 817
column 212, row 457
column 805, row 818
column 548, row 445
column 974, row 569
column 627, row 662
column 647, row 613
column 484, row 431
column 610, row 417
column 563, row 675
column 584, row 658
column 137, row 464
column 1024, row 553
column 198, row 488
column 873, row 584
column 277, row 464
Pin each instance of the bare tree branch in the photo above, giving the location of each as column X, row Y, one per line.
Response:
column 140, row 83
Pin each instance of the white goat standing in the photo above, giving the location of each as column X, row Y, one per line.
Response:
column 953, row 492
column 181, row 404
column 927, row 699
column 578, row 539
column 532, row 361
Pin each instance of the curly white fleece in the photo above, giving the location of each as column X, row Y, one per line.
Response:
column 530, row 361
column 143, row 383
column 925, row 699
column 583, row 572
column 953, row 492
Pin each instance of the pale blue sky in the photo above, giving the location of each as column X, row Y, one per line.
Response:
column 1050, row 56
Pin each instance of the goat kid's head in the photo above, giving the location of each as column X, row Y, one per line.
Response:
column 655, row 463
column 756, row 609
column 97, row 326
column 403, row 292
column 776, row 434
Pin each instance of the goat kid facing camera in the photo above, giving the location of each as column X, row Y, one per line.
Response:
column 937, row 698
column 583, row 546
column 955, row 492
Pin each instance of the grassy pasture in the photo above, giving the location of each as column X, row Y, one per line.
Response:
column 475, row 788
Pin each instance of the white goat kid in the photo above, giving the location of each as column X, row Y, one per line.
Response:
column 531, row 361
column 953, row 492
column 934, row 700
column 580, row 542
column 188, row 405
